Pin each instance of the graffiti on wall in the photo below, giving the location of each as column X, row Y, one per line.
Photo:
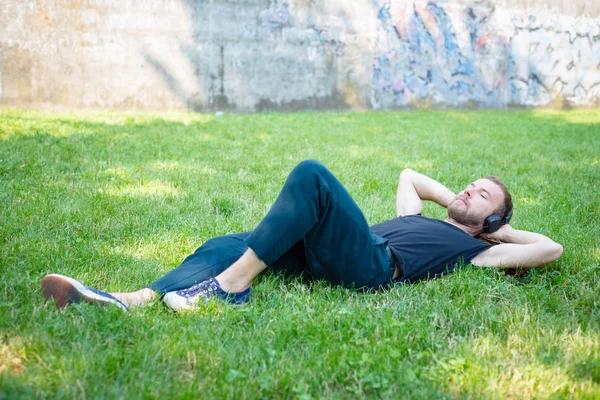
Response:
column 555, row 56
column 454, row 54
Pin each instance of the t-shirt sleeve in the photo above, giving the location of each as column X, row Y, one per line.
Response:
column 477, row 249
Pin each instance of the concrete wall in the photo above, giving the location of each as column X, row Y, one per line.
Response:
column 251, row 55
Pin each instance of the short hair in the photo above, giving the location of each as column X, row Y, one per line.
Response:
column 506, row 207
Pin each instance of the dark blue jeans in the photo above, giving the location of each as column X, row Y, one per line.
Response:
column 314, row 227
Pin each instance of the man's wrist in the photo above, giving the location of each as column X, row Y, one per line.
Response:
column 446, row 199
column 504, row 234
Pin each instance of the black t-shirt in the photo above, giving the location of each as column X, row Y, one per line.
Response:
column 426, row 247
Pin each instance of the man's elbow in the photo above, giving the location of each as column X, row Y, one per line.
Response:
column 406, row 172
column 406, row 176
column 554, row 252
column 551, row 252
column 558, row 250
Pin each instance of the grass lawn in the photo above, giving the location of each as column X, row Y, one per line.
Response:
column 117, row 200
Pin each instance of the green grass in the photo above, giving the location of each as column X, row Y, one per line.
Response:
column 117, row 200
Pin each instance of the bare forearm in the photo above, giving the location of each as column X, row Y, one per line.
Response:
column 520, row 249
column 545, row 249
column 521, row 237
column 427, row 188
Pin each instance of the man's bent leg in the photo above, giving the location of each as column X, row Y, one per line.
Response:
column 314, row 207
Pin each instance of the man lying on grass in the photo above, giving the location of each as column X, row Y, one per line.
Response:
column 315, row 227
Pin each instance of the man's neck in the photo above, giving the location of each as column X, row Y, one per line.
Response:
column 469, row 230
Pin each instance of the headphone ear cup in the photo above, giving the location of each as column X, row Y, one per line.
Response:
column 492, row 223
column 506, row 219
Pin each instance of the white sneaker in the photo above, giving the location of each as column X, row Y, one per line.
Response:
column 176, row 302
column 187, row 299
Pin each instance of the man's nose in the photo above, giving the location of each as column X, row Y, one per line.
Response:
column 467, row 192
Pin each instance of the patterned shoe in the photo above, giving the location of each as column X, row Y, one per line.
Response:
column 186, row 299
column 64, row 291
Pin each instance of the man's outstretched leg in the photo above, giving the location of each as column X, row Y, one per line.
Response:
column 210, row 259
column 315, row 208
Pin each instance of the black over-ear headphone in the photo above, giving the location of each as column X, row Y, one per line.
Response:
column 494, row 222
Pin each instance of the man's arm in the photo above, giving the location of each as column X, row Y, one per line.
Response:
column 521, row 249
column 414, row 187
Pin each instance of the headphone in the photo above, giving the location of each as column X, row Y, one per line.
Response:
column 494, row 222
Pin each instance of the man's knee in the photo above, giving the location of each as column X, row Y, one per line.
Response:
column 309, row 167
column 307, row 173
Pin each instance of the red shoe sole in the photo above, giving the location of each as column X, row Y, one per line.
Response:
column 61, row 291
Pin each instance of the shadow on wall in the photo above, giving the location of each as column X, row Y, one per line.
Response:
column 285, row 57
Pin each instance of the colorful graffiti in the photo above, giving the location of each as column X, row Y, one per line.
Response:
column 456, row 55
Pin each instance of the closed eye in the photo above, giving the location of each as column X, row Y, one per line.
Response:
column 484, row 193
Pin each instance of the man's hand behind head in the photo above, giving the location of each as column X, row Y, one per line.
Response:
column 503, row 234
column 494, row 239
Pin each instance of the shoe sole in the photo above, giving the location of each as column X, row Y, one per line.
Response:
column 65, row 291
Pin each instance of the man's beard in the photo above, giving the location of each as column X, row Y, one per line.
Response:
column 461, row 215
